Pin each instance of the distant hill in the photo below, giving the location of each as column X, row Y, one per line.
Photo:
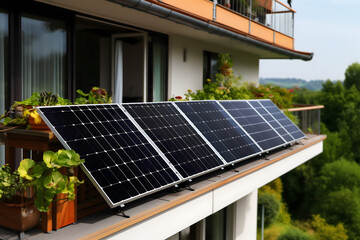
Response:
column 314, row 85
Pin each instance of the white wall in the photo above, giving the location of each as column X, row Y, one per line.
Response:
column 246, row 217
column 184, row 75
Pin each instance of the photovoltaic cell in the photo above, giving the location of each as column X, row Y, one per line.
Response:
column 263, row 134
column 271, row 120
column 118, row 158
column 282, row 119
column 225, row 135
column 175, row 137
column 132, row 150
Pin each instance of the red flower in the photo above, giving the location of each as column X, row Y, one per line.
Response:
column 178, row 97
column 291, row 90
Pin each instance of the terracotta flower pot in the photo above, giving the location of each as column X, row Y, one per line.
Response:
column 41, row 126
column 19, row 215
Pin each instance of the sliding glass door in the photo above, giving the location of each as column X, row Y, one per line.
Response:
column 4, row 49
column 43, row 55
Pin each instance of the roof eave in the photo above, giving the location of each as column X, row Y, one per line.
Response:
column 187, row 20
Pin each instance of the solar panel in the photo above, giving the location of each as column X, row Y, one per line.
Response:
column 264, row 135
column 119, row 159
column 175, row 137
column 132, row 150
column 227, row 137
column 271, row 120
column 282, row 119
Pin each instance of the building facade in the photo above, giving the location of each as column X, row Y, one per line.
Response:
column 151, row 50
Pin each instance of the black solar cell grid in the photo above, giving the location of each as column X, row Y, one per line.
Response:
column 282, row 119
column 118, row 157
column 219, row 129
column 262, row 133
column 271, row 120
column 175, row 137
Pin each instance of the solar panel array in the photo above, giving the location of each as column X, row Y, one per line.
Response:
column 228, row 137
column 132, row 150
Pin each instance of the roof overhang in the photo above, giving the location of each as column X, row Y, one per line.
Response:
column 267, row 50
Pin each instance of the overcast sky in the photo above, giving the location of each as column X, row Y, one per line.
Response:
column 328, row 28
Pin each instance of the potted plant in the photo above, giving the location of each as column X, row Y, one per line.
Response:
column 33, row 187
column 48, row 179
column 23, row 113
column 17, row 211
column 96, row 95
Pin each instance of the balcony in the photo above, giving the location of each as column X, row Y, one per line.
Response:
column 213, row 192
column 269, row 21
column 269, row 13
column 308, row 117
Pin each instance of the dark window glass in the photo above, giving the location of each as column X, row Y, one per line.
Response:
column 216, row 226
column 158, row 68
column 210, row 66
column 4, row 49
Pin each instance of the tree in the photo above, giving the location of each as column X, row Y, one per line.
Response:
column 294, row 234
column 341, row 174
column 352, row 76
column 342, row 206
column 271, row 207
column 325, row 231
column 332, row 96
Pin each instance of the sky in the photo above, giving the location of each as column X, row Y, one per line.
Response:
column 328, row 28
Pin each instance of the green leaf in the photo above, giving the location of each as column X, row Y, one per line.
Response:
column 55, row 181
column 49, row 158
column 68, row 158
column 25, row 167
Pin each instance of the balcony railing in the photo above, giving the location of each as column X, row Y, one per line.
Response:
column 308, row 117
column 270, row 13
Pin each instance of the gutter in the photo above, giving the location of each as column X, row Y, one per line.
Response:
column 177, row 17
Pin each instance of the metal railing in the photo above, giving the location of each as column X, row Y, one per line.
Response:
column 309, row 117
column 270, row 13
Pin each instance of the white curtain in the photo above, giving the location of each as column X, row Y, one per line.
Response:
column 43, row 56
column 118, row 93
column 3, row 37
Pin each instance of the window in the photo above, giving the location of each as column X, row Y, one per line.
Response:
column 158, row 68
column 210, row 66
column 93, row 54
column 43, row 55
column 4, row 49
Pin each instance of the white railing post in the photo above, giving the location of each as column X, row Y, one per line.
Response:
column 214, row 10
column 250, row 15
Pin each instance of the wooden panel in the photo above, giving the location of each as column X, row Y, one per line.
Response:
column 231, row 19
column 284, row 41
column 262, row 32
column 202, row 8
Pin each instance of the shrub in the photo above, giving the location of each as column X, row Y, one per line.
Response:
column 271, row 206
column 325, row 231
column 294, row 234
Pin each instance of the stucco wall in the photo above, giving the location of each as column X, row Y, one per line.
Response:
column 188, row 74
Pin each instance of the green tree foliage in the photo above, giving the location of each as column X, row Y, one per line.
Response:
column 306, row 96
column 294, row 234
column 298, row 191
column 282, row 97
column 341, row 206
column 337, row 195
column 333, row 98
column 324, row 231
column 352, row 76
column 271, row 206
column 338, row 175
